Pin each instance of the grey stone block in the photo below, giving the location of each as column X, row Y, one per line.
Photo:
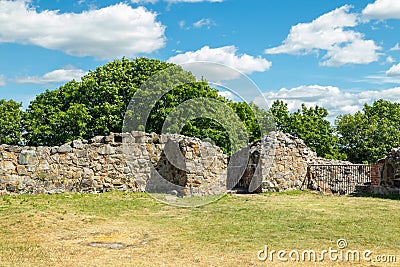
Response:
column 27, row 157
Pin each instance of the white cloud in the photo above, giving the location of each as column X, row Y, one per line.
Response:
column 227, row 94
column 106, row 33
column 193, row 1
column 390, row 59
column 357, row 52
column 55, row 76
column 225, row 55
column 144, row 1
column 330, row 32
column 174, row 1
column 2, row 80
column 394, row 70
column 322, row 33
column 383, row 9
column 182, row 24
column 206, row 22
column 396, row 47
column 332, row 98
column 381, row 79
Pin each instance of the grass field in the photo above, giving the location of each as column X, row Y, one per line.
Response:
column 75, row 230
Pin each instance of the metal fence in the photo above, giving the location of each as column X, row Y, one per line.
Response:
column 338, row 179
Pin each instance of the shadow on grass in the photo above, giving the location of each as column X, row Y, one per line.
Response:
column 308, row 191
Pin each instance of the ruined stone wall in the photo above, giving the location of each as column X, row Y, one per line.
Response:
column 385, row 175
column 288, row 166
column 128, row 162
column 284, row 162
column 390, row 172
column 139, row 161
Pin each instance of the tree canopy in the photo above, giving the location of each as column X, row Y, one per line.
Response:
column 98, row 105
column 309, row 124
column 94, row 106
column 370, row 134
column 10, row 122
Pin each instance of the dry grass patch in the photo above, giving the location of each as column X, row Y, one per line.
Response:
column 78, row 230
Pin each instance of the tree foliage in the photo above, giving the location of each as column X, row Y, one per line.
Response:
column 10, row 122
column 369, row 135
column 94, row 106
column 98, row 105
column 309, row 124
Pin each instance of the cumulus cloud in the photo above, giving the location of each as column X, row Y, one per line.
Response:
column 382, row 9
column 106, row 33
column 225, row 55
column 206, row 22
column 332, row 98
column 394, row 70
column 55, row 76
column 396, row 47
column 2, row 80
column 357, row 52
column 331, row 33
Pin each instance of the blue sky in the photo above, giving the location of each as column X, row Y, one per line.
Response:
column 338, row 54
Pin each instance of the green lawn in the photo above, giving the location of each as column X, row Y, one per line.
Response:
column 70, row 230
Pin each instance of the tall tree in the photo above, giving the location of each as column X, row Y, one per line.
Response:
column 55, row 117
column 258, row 121
column 370, row 134
column 10, row 122
column 94, row 106
column 309, row 124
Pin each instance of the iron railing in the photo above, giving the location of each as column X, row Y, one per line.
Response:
column 338, row 179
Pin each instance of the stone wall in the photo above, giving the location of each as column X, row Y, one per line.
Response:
column 284, row 162
column 385, row 175
column 139, row 161
column 129, row 162
column 390, row 172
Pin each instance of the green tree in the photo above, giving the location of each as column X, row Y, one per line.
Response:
column 370, row 134
column 309, row 124
column 10, row 122
column 94, row 106
column 258, row 121
column 52, row 118
column 118, row 95
column 99, row 104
